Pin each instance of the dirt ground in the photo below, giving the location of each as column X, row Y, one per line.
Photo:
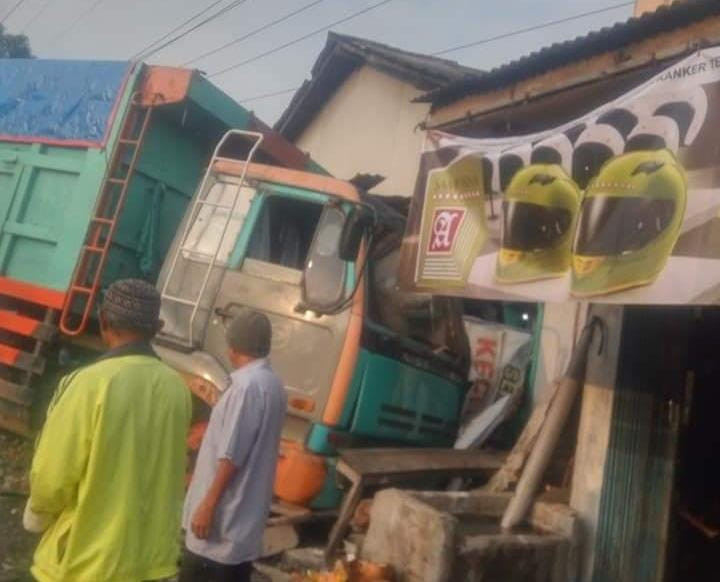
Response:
column 16, row 545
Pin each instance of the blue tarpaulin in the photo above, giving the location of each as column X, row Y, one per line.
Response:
column 59, row 101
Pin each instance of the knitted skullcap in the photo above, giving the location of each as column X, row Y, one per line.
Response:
column 132, row 304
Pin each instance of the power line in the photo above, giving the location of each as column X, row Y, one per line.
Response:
column 483, row 41
column 533, row 28
column 253, row 32
column 12, row 11
column 193, row 28
column 300, row 39
column 266, row 95
column 37, row 15
column 75, row 22
column 178, row 27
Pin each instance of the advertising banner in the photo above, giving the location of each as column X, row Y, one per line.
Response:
column 620, row 205
column 499, row 357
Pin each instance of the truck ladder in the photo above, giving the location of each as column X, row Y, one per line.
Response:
column 101, row 231
column 211, row 257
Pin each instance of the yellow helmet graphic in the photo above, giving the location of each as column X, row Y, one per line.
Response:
column 629, row 222
column 539, row 213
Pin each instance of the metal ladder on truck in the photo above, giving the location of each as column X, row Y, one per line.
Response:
column 86, row 280
column 199, row 203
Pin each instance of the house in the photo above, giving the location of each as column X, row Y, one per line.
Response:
column 644, row 477
column 357, row 114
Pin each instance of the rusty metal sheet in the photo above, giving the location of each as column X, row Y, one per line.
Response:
column 164, row 85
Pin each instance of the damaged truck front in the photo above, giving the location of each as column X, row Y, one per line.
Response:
column 364, row 364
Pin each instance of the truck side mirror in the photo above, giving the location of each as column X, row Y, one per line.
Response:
column 358, row 222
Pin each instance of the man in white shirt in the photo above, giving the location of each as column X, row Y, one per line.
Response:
column 231, row 490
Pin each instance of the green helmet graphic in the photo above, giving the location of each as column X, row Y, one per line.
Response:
column 539, row 210
column 629, row 222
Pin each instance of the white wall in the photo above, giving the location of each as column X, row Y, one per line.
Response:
column 642, row 6
column 368, row 126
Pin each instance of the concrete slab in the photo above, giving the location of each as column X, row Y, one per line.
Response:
column 455, row 536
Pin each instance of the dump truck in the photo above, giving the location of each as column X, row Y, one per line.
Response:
column 98, row 163
column 116, row 169
column 363, row 362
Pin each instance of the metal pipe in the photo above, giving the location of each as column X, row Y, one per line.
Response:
column 552, row 429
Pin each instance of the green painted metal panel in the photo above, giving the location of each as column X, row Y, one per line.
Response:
column 218, row 104
column 318, row 439
column 331, row 495
column 47, row 196
column 169, row 169
column 400, row 403
column 45, row 204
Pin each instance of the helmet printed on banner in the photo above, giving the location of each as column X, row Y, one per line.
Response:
column 598, row 142
column 629, row 222
column 539, row 213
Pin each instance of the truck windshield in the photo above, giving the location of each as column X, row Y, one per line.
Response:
column 429, row 319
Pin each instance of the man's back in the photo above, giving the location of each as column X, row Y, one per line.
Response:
column 115, row 441
column 245, row 427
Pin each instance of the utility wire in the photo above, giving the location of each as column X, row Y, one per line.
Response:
column 193, row 28
column 12, row 11
column 266, row 95
column 299, row 39
column 532, row 28
column 263, row 28
column 37, row 15
column 178, row 27
column 75, row 22
column 479, row 42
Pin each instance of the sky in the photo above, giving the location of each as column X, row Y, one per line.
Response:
column 119, row 29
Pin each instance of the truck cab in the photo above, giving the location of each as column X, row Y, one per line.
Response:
column 363, row 363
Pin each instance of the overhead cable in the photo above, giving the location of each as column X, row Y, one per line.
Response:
column 488, row 40
column 37, row 15
column 180, row 26
column 193, row 28
column 253, row 32
column 12, row 11
column 89, row 10
column 532, row 28
column 299, row 39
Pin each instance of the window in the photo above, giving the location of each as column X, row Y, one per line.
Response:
column 429, row 319
column 284, row 231
column 325, row 273
column 211, row 221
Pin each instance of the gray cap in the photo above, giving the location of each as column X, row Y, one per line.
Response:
column 250, row 333
column 132, row 304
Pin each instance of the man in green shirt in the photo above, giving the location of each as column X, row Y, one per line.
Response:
column 109, row 466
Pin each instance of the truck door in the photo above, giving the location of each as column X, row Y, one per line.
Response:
column 287, row 231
